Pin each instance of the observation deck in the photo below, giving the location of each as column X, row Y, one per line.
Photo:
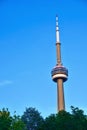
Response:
column 59, row 72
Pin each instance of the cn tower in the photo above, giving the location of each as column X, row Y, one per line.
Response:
column 59, row 73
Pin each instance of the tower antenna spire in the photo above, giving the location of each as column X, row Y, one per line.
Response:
column 57, row 31
column 58, row 45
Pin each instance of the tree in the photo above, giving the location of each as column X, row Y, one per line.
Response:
column 76, row 120
column 64, row 121
column 5, row 119
column 17, row 123
column 50, row 123
column 79, row 119
column 32, row 119
column 60, row 121
column 8, row 122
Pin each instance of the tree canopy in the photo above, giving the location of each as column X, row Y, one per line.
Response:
column 5, row 119
column 8, row 122
column 76, row 120
column 32, row 120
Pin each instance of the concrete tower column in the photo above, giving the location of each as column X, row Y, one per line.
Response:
column 60, row 95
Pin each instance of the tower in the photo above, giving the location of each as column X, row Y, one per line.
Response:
column 59, row 73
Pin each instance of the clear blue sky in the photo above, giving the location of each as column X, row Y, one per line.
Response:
column 28, row 53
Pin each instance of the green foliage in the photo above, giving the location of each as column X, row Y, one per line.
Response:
column 5, row 119
column 66, row 121
column 50, row 123
column 7, row 122
column 79, row 119
column 17, row 123
column 32, row 119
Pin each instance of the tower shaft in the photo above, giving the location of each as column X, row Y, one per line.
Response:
column 60, row 95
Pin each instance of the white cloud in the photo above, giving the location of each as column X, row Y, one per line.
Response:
column 5, row 82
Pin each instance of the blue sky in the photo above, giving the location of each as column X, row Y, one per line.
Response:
column 28, row 53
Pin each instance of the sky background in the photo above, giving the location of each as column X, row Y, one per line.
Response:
column 28, row 53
